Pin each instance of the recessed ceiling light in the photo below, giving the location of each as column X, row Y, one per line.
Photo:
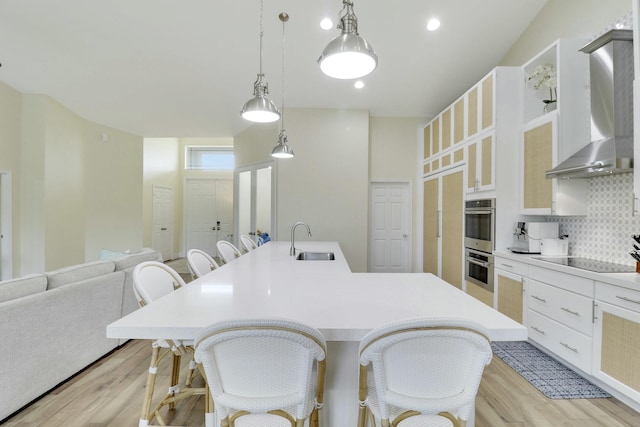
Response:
column 359, row 84
column 433, row 24
column 326, row 24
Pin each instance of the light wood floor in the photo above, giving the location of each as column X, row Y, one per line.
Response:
column 109, row 394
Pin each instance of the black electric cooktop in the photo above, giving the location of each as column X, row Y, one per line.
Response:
column 590, row 264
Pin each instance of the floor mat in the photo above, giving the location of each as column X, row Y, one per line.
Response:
column 552, row 378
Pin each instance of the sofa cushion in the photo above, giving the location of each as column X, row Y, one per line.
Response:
column 79, row 272
column 135, row 259
column 23, row 286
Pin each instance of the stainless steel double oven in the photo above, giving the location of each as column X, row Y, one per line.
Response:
column 479, row 241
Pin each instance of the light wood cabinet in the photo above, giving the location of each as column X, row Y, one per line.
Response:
column 616, row 359
column 553, row 134
column 472, row 112
column 458, row 121
column 445, row 121
column 487, row 102
column 442, row 226
column 510, row 290
column 426, row 142
column 480, row 293
column 542, row 196
column 480, row 164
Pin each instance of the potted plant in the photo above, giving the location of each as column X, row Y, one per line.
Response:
column 545, row 75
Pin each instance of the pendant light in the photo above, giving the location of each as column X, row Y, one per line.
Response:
column 282, row 150
column 348, row 56
column 260, row 108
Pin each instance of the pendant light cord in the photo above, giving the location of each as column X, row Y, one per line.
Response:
column 261, row 32
column 284, row 18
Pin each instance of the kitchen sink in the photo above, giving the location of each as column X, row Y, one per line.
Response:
column 316, row 256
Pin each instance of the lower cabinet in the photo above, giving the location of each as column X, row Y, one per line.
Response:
column 480, row 293
column 559, row 319
column 616, row 358
column 510, row 289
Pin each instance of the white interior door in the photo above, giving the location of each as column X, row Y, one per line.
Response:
column 208, row 213
column 162, row 237
column 389, row 237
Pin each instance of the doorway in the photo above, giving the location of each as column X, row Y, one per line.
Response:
column 255, row 199
column 208, row 213
column 162, row 234
column 6, row 255
column 390, row 227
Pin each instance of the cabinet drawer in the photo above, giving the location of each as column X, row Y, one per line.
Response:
column 622, row 297
column 569, row 282
column 573, row 310
column 570, row 345
column 515, row 267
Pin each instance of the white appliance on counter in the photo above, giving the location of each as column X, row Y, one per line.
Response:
column 529, row 237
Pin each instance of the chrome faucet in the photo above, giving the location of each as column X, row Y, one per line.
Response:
column 292, row 250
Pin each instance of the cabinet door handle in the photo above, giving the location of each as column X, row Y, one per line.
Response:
column 538, row 330
column 575, row 313
column 506, row 265
column 575, row 350
column 539, row 299
column 628, row 299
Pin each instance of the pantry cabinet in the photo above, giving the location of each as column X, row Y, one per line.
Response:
column 556, row 125
column 616, row 358
column 442, row 226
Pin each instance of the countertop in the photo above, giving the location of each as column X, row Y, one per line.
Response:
column 626, row 280
column 344, row 306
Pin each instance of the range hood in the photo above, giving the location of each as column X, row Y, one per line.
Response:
column 611, row 75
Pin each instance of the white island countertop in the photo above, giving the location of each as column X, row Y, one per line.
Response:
column 344, row 306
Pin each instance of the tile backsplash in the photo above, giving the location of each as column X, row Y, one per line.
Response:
column 605, row 232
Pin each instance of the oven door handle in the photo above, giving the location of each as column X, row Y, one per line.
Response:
column 480, row 263
column 479, row 212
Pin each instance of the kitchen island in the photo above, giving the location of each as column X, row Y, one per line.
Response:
column 344, row 306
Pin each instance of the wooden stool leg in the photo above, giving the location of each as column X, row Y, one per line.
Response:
column 175, row 377
column 145, row 416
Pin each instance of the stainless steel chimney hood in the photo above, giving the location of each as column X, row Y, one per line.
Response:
column 611, row 75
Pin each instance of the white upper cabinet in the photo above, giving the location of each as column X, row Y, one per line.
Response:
column 556, row 125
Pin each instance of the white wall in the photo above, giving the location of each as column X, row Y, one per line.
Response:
column 68, row 199
column 393, row 153
column 113, row 197
column 564, row 19
column 10, row 137
column 326, row 183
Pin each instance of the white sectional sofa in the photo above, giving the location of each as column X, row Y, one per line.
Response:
column 53, row 325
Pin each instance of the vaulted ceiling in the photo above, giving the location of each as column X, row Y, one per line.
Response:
column 169, row 68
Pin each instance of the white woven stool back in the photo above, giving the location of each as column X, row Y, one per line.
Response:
column 153, row 279
column 227, row 251
column 424, row 365
column 247, row 243
column 262, row 365
column 200, row 263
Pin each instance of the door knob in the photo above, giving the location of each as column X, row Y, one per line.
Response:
column 404, row 236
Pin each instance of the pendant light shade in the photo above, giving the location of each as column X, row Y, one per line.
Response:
column 348, row 56
column 260, row 108
column 282, row 150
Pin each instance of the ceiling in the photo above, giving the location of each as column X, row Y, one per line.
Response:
column 169, row 68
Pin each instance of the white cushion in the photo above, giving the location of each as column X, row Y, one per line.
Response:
column 23, row 286
column 79, row 272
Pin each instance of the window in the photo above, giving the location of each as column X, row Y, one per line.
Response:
column 209, row 158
